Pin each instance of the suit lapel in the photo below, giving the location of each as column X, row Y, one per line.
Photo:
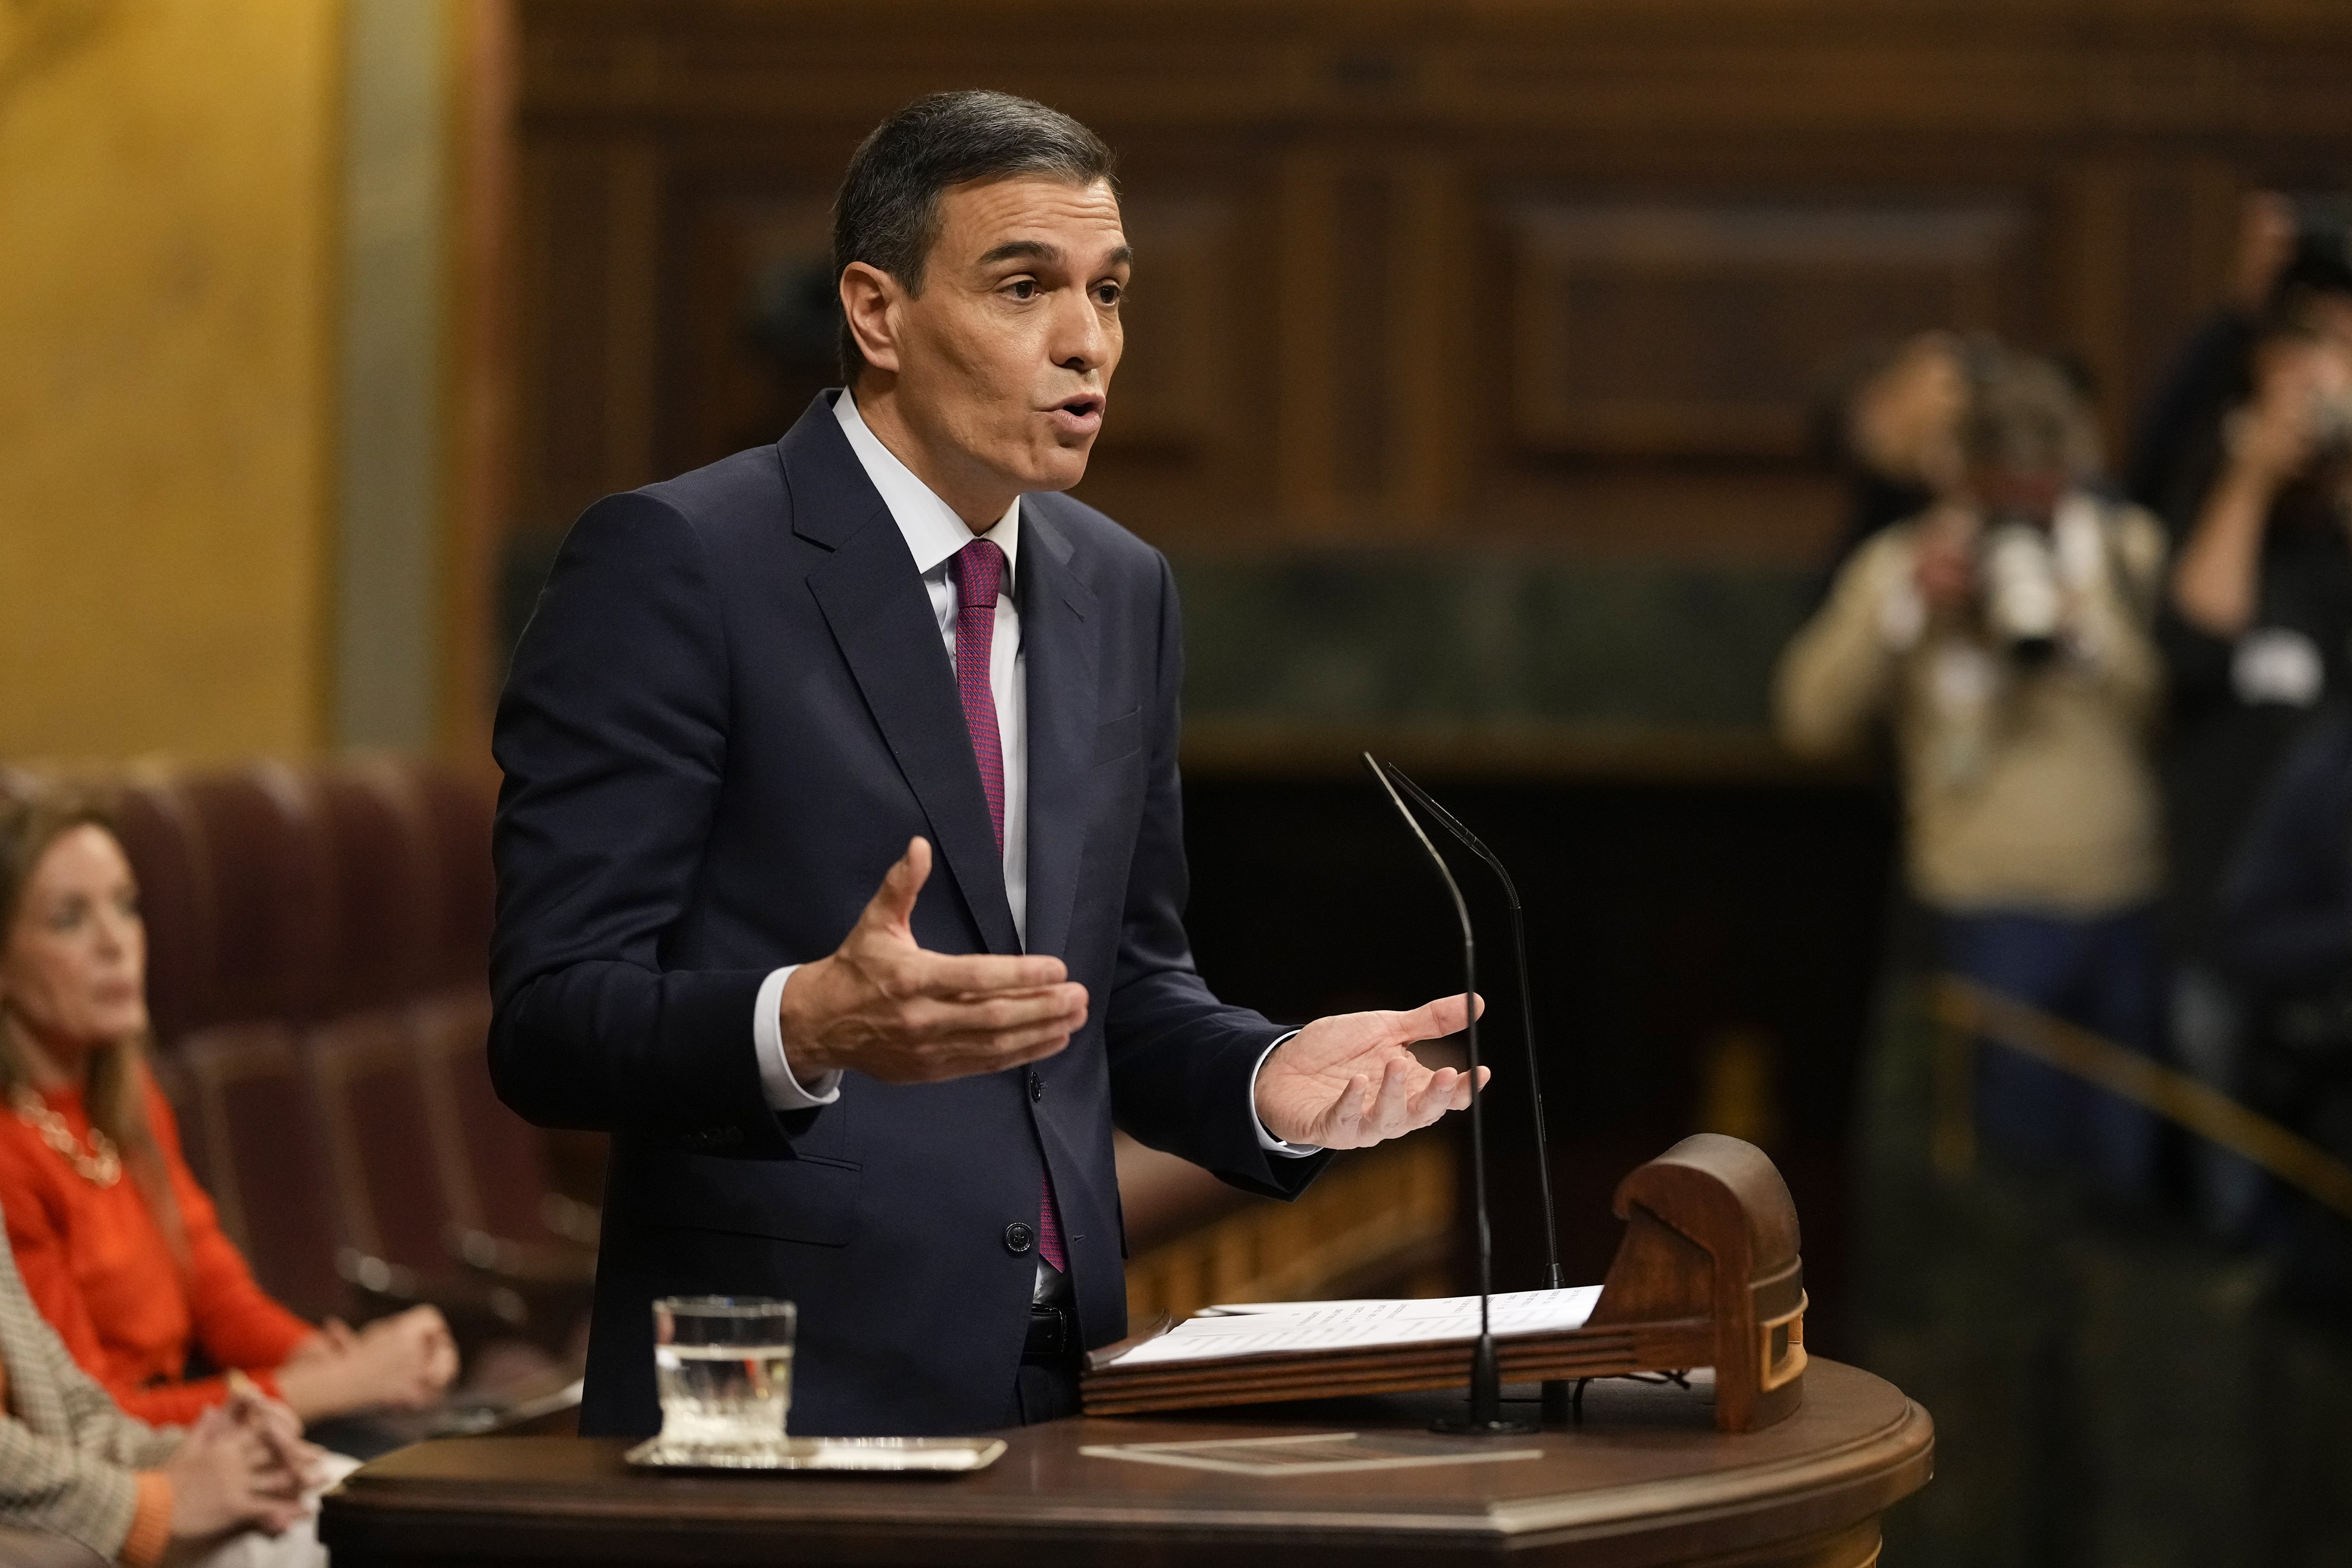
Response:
column 1060, row 634
column 874, row 603
column 1059, row 639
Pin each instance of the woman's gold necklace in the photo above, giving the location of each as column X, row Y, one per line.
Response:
column 100, row 1167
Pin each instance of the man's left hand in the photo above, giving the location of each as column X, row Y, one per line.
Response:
column 1349, row 1080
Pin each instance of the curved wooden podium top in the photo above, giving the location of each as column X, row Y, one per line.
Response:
column 1644, row 1480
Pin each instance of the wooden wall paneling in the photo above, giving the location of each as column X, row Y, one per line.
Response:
column 1186, row 456
column 593, row 219
column 1350, row 397
column 562, row 300
column 2218, row 188
column 1687, row 330
column 736, row 243
column 632, row 238
column 1359, row 269
column 1724, row 471
column 1172, row 382
column 2097, row 251
column 1446, row 312
column 1370, row 439
column 2159, row 284
column 1305, row 430
column 2190, row 234
column 678, row 61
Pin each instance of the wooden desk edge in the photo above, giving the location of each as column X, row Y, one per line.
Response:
column 1865, row 1479
column 1671, row 1521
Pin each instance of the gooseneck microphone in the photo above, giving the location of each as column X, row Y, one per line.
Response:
column 1476, row 846
column 1558, row 1404
column 1486, row 1416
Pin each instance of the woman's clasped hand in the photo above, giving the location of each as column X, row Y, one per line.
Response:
column 242, row 1466
column 399, row 1362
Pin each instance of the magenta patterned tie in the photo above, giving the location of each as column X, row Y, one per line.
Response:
column 978, row 572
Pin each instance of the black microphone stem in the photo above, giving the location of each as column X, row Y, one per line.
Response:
column 1477, row 846
column 1486, row 1375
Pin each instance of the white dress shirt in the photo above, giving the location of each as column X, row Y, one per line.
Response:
column 934, row 533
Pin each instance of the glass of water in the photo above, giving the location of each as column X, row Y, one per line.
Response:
column 725, row 1367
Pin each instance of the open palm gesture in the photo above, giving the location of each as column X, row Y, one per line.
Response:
column 1349, row 1080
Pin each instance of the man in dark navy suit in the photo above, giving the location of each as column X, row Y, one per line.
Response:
column 841, row 872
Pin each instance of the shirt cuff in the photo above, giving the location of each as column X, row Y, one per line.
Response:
column 150, row 1521
column 784, row 1092
column 1265, row 1140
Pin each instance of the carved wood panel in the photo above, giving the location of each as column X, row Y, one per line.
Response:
column 751, row 327
column 1563, row 273
column 1651, row 330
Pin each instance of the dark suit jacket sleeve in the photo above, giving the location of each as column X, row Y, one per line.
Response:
column 1183, row 1064
column 612, row 736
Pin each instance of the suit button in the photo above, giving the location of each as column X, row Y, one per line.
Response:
column 1036, row 1085
column 1019, row 1238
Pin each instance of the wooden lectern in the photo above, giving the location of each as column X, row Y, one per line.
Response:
column 1770, row 1463
column 1645, row 1481
column 1707, row 1276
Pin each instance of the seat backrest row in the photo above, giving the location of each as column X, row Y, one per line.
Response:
column 274, row 891
column 373, row 1135
column 318, row 937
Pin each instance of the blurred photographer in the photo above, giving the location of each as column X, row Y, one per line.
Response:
column 2257, row 616
column 2293, row 256
column 2004, row 636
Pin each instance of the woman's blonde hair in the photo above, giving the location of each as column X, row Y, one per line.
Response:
column 33, row 818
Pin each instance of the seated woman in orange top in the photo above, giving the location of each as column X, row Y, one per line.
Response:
column 118, row 1245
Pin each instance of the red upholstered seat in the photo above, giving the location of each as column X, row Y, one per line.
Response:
column 268, row 892
column 166, row 848
column 390, row 1188
column 320, row 937
column 456, row 808
column 319, row 940
column 500, row 1159
column 381, row 883
column 254, row 1137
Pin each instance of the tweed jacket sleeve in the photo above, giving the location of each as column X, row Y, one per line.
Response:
column 67, row 1454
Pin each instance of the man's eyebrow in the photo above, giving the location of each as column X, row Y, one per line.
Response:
column 1021, row 250
column 1038, row 250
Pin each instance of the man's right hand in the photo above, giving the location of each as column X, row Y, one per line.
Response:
column 896, row 1012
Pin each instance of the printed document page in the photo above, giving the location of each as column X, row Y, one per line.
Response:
column 1262, row 1328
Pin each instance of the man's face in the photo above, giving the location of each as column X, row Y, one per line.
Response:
column 1004, row 362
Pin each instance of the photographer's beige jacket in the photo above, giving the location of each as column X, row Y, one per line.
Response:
column 2025, row 785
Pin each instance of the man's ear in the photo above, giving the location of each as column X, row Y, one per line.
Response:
column 869, row 301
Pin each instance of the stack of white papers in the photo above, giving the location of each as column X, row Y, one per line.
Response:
column 1271, row 1327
